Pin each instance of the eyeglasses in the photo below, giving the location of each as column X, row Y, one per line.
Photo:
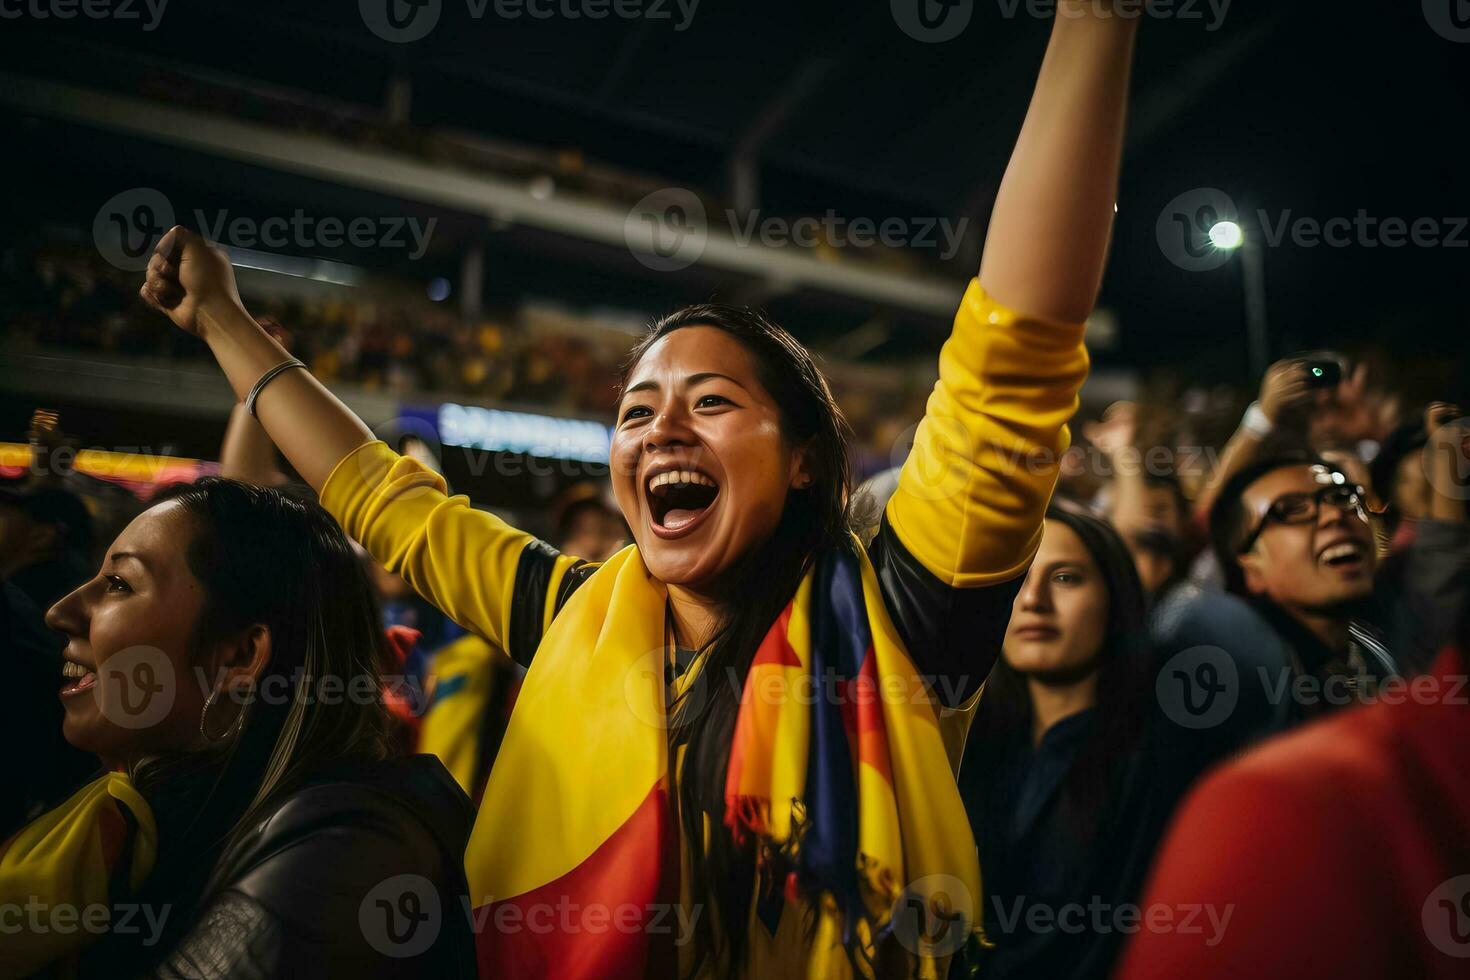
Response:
column 1303, row 508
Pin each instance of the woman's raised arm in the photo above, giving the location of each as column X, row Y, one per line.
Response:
column 467, row 563
column 1048, row 236
column 973, row 491
column 191, row 282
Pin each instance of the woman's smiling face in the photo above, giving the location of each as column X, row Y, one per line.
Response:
column 127, row 687
column 701, row 466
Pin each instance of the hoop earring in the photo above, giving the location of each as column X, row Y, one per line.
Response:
column 234, row 728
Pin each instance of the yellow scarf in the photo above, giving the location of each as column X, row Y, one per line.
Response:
column 66, row 868
column 575, row 832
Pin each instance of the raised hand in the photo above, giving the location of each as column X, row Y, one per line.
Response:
column 1117, row 430
column 190, row 281
column 1284, row 388
column 1351, row 410
column 1048, row 237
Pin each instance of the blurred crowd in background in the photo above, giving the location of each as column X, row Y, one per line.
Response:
column 69, row 301
column 1228, row 557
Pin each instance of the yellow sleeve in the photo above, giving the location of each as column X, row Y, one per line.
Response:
column 973, row 490
column 462, row 560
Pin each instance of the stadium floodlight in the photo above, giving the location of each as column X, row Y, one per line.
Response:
column 1226, row 235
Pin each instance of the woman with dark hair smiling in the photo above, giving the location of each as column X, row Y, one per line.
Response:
column 224, row 666
column 661, row 755
column 1053, row 776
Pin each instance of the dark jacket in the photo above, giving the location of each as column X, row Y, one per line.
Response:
column 1032, row 858
column 357, row 873
column 1425, row 584
column 1268, row 672
column 1057, row 894
column 1197, row 633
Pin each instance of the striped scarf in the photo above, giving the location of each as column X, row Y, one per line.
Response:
column 838, row 774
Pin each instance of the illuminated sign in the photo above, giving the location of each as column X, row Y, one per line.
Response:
column 521, row 432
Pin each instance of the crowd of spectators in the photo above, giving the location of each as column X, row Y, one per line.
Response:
column 73, row 301
column 548, row 359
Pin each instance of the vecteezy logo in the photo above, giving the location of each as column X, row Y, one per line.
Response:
column 932, row 21
column 1446, row 917
column 401, row 917
column 941, row 470
column 660, row 700
column 933, row 916
column 1450, row 477
column 129, row 225
column 135, row 687
column 1183, row 229
column 1198, row 687
column 400, row 21
column 667, row 230
column 1450, row 19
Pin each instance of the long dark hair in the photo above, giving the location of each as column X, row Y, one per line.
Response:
column 764, row 581
column 264, row 556
column 1004, row 711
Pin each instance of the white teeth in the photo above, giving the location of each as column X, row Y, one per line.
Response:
column 70, row 668
column 679, row 476
column 1341, row 551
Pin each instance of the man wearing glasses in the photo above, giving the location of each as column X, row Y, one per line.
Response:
column 1293, row 536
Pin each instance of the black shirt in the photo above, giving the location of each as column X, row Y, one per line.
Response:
column 952, row 635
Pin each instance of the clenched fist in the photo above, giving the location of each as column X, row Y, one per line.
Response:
column 189, row 280
column 1284, row 389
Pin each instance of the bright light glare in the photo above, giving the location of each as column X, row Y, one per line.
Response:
column 1226, row 234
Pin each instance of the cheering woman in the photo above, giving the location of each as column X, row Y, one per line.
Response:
column 727, row 756
column 224, row 665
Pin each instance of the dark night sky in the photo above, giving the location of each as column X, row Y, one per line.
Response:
column 1313, row 109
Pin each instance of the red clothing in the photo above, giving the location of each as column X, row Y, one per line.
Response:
column 1341, row 850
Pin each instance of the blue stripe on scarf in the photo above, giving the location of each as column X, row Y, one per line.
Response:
column 840, row 642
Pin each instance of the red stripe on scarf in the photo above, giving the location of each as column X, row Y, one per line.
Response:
column 775, row 648
column 755, row 728
column 862, row 716
column 601, row 919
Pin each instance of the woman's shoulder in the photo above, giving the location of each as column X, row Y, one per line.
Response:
column 411, row 799
column 363, row 860
column 347, row 831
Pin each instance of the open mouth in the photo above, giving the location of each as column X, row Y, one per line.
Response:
column 76, row 677
column 1348, row 555
column 677, row 499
